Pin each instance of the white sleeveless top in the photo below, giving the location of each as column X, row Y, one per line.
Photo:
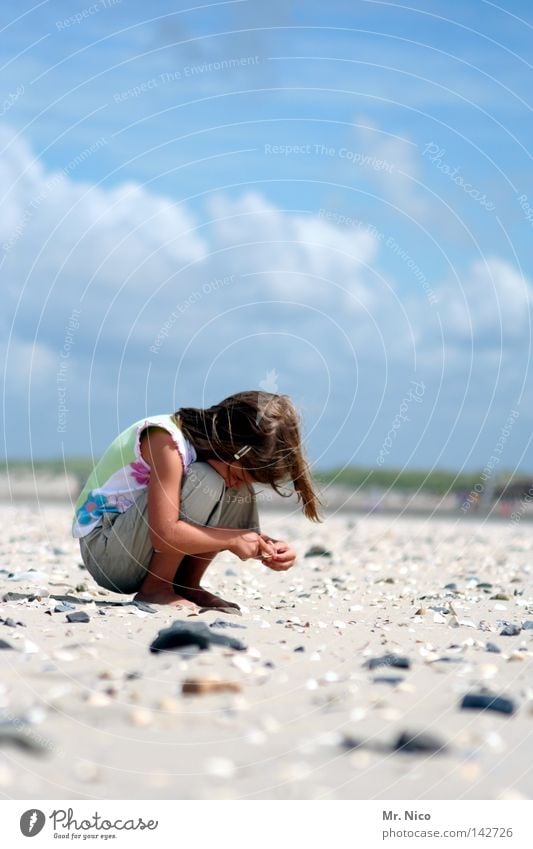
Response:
column 121, row 473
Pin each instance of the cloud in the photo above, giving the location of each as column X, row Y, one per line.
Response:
column 394, row 179
column 493, row 302
column 179, row 304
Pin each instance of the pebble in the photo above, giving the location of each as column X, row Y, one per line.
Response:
column 510, row 630
column 5, row 645
column 141, row 717
column 78, row 616
column 527, row 625
column 318, row 551
column 394, row 660
column 485, row 701
column 16, row 732
column 11, row 623
column 493, row 648
column 31, row 575
column 64, row 607
column 181, row 634
column 206, row 686
column 418, row 742
column 224, row 623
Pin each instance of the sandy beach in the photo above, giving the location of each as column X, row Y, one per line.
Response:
column 350, row 685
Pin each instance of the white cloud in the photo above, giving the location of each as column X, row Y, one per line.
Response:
column 395, row 177
column 146, row 260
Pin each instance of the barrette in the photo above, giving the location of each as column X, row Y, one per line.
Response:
column 242, row 451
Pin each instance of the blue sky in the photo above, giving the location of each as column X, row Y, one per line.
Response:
column 333, row 201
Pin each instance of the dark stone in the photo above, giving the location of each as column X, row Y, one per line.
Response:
column 78, row 616
column 182, row 634
column 393, row 660
column 5, row 645
column 484, row 701
column 101, row 611
column 317, row 551
column 223, row 623
column 493, row 648
column 422, row 742
column 388, row 679
column 350, row 743
column 448, row 659
column 450, row 586
column 15, row 732
column 510, row 630
column 299, row 648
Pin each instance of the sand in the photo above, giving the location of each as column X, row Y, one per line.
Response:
column 88, row 712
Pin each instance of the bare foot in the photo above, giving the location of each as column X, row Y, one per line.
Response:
column 165, row 596
column 209, row 601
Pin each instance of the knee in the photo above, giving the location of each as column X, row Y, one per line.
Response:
column 204, row 478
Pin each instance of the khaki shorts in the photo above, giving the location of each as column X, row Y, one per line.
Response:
column 118, row 551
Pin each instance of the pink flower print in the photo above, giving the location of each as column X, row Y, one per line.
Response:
column 140, row 472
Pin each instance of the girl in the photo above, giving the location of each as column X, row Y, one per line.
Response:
column 172, row 491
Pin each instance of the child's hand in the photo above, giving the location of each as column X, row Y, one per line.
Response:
column 249, row 544
column 283, row 558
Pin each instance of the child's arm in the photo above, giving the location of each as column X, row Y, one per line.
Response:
column 169, row 533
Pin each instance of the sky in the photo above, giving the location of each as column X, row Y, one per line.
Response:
column 332, row 201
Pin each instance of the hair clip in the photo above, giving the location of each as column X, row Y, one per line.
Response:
column 242, row 451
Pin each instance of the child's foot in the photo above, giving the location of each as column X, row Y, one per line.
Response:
column 209, row 601
column 164, row 596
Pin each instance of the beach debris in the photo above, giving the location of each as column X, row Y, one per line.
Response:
column 183, row 634
column 318, row 551
column 17, row 732
column 394, row 660
column 78, row 616
column 206, row 686
column 418, row 742
column 485, row 701
column 142, row 605
column 141, row 717
column 223, row 623
column 11, row 623
column 64, row 607
column 31, row 575
column 510, row 630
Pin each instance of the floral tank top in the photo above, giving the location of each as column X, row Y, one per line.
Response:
column 122, row 473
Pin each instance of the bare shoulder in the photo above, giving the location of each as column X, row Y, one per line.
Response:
column 157, row 447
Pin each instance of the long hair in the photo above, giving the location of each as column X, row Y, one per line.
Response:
column 264, row 429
